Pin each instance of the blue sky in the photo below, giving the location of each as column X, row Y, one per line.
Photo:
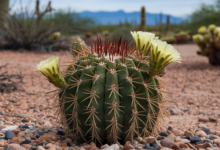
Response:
column 174, row 7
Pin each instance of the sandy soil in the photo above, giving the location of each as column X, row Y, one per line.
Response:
column 194, row 86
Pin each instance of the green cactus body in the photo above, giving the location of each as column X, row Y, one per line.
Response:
column 111, row 98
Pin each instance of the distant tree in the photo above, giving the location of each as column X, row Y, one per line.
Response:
column 206, row 14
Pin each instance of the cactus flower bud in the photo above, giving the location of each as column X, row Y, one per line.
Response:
column 78, row 45
column 105, row 33
column 162, row 54
column 56, row 35
column 51, row 70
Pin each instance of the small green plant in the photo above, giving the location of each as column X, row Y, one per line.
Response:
column 88, row 34
column 105, row 33
column 208, row 40
column 169, row 39
column 182, row 37
column 123, row 31
column 111, row 91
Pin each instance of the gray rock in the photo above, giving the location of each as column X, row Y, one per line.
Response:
column 175, row 111
column 9, row 135
column 166, row 142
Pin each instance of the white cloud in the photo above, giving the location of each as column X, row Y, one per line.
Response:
column 174, row 7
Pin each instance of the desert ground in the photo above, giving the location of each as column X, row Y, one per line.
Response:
column 193, row 87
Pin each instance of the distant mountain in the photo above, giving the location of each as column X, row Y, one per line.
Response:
column 105, row 17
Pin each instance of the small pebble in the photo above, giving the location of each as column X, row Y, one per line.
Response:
column 60, row 132
column 155, row 145
column 24, row 120
column 170, row 128
column 166, row 142
column 207, row 131
column 200, row 133
column 164, row 134
column 24, row 127
column 9, row 135
column 8, row 148
column 195, row 139
column 203, row 119
column 175, row 111
column 26, row 141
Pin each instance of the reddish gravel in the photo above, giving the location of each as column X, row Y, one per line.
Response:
column 194, row 84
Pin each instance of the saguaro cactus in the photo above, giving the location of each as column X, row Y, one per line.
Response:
column 4, row 8
column 112, row 91
column 143, row 19
column 168, row 22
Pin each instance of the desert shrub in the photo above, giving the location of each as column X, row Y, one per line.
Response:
column 23, row 30
column 169, row 39
column 29, row 30
column 121, row 31
column 206, row 14
column 72, row 22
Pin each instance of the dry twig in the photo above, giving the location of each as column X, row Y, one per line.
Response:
column 10, row 83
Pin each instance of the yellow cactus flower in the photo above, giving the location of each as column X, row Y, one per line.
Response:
column 212, row 27
column 197, row 38
column 56, row 35
column 162, row 54
column 202, row 30
column 51, row 70
column 217, row 30
column 142, row 40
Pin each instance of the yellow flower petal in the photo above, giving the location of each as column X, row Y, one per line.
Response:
column 142, row 39
column 162, row 54
column 166, row 49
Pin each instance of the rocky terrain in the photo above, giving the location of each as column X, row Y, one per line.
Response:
column 27, row 119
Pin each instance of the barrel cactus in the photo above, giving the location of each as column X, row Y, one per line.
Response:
column 111, row 91
column 208, row 40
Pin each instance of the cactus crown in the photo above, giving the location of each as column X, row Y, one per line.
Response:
column 111, row 49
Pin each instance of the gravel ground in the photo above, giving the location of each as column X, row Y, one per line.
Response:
column 194, row 99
